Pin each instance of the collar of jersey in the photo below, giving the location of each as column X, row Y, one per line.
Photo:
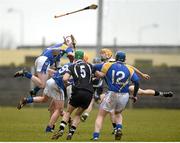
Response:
column 79, row 61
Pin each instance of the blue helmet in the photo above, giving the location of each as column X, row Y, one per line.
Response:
column 120, row 56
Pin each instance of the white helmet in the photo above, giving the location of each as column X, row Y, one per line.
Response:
column 70, row 41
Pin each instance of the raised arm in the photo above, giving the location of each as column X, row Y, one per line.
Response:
column 141, row 74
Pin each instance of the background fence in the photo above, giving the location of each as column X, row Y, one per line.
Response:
column 162, row 78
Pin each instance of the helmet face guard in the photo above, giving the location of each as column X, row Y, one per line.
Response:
column 70, row 41
column 105, row 54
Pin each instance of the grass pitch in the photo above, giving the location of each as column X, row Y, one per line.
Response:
column 144, row 125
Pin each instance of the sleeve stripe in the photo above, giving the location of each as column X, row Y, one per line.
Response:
column 131, row 70
column 63, row 47
column 106, row 67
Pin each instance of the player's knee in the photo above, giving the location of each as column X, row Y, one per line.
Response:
column 62, row 113
column 42, row 85
column 44, row 100
column 117, row 112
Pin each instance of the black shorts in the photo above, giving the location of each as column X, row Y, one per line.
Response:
column 80, row 98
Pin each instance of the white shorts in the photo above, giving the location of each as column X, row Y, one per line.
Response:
column 114, row 101
column 52, row 90
column 42, row 64
column 69, row 91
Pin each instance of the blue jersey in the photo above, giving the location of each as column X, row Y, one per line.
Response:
column 117, row 76
column 55, row 52
column 58, row 76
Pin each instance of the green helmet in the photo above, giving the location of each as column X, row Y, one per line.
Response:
column 79, row 54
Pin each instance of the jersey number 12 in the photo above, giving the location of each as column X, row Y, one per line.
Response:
column 117, row 77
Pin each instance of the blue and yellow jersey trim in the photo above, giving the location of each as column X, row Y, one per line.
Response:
column 106, row 67
column 131, row 69
column 63, row 47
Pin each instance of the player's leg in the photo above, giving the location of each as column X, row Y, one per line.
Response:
column 28, row 100
column 76, row 121
column 98, row 99
column 51, row 107
column 34, row 91
column 121, row 102
column 67, row 94
column 38, row 80
column 148, row 92
column 151, row 92
column 98, row 123
column 46, row 93
column 87, row 111
column 113, row 121
column 118, row 130
column 51, row 110
column 57, row 103
column 64, row 122
column 106, row 106
column 41, row 64
column 102, row 97
column 98, row 91
column 58, row 109
column 85, row 99
column 38, row 99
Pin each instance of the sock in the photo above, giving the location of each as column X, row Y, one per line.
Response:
column 86, row 114
column 95, row 135
column 35, row 90
column 118, row 126
column 114, row 125
column 29, row 99
column 62, row 125
column 72, row 130
column 157, row 93
column 53, row 127
column 28, row 75
column 70, row 120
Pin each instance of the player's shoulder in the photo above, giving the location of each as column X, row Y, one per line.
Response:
column 63, row 47
column 55, row 46
column 130, row 68
column 67, row 64
column 106, row 66
column 97, row 66
column 90, row 64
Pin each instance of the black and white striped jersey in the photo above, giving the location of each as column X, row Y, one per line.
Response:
column 82, row 75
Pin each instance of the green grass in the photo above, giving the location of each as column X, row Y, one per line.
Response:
column 146, row 125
